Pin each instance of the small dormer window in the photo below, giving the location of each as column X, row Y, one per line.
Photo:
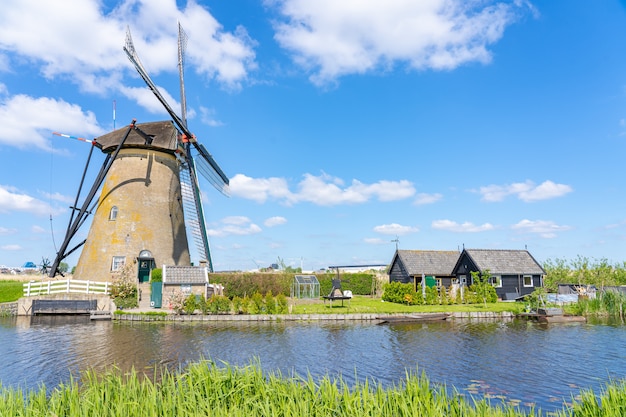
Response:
column 113, row 213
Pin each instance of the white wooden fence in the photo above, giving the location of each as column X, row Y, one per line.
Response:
column 66, row 286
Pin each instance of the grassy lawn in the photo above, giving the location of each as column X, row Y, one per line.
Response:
column 365, row 304
column 10, row 290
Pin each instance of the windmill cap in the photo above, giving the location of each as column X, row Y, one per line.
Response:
column 163, row 136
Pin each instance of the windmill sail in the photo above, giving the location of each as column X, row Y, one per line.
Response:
column 194, row 212
column 129, row 48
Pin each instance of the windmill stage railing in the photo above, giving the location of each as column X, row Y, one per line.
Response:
column 33, row 288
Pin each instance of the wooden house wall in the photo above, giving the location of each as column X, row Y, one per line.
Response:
column 398, row 273
column 515, row 284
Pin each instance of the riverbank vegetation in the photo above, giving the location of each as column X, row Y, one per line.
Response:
column 605, row 304
column 204, row 388
column 583, row 271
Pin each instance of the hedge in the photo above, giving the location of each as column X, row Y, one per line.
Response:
column 242, row 284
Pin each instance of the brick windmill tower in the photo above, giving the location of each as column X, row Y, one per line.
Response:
column 149, row 203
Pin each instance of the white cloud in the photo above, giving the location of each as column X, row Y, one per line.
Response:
column 258, row 189
column 38, row 229
column 466, row 227
column 322, row 190
column 423, row 199
column 11, row 247
column 12, row 200
column 525, row 191
column 543, row 228
column 81, row 41
column 44, row 115
column 275, row 221
column 335, row 38
column 234, row 225
column 375, row 241
column 395, row 229
column 7, row 231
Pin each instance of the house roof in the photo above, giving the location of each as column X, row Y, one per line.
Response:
column 428, row 262
column 505, row 261
column 185, row 275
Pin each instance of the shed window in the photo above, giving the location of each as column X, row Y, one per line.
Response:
column 528, row 280
column 118, row 263
column 438, row 282
column 113, row 213
column 496, row 281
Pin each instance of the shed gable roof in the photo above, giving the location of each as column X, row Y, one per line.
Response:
column 505, row 261
column 428, row 262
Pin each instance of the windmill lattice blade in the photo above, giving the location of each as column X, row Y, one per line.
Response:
column 211, row 175
column 192, row 214
column 131, row 53
column 209, row 159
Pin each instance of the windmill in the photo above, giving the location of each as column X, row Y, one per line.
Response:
column 150, row 199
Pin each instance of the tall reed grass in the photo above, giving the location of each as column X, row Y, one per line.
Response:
column 206, row 389
column 605, row 304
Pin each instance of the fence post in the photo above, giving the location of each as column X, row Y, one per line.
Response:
column 49, row 288
column 88, row 286
column 27, row 288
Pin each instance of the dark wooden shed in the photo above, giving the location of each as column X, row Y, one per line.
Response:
column 409, row 266
column 514, row 273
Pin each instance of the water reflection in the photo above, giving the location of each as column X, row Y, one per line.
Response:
column 515, row 361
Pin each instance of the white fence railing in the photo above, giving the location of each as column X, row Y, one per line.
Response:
column 66, row 286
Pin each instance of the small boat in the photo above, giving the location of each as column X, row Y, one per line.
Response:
column 412, row 318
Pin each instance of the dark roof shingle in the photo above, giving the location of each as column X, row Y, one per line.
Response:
column 428, row 262
column 505, row 261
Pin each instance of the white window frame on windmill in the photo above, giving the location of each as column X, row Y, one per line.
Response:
column 117, row 263
column 113, row 213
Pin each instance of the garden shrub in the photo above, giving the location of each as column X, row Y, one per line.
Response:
column 282, row 304
column 190, row 304
column 156, row 275
column 218, row 304
column 270, row 303
column 124, row 288
column 256, row 303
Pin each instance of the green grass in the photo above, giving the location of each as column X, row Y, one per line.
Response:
column 11, row 291
column 365, row 304
column 203, row 389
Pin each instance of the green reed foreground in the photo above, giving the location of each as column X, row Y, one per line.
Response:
column 205, row 389
column 605, row 304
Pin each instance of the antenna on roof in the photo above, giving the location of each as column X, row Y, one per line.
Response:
column 397, row 241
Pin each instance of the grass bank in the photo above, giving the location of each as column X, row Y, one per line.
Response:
column 204, row 388
column 366, row 304
column 11, row 290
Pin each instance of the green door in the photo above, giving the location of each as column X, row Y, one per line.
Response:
column 145, row 266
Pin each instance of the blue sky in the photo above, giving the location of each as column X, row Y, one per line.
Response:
column 342, row 125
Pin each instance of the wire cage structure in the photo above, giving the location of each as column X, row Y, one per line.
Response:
column 305, row 286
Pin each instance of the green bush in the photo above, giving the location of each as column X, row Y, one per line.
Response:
column 156, row 275
column 360, row 283
column 191, row 304
column 270, row 303
column 282, row 304
column 245, row 284
column 218, row 304
column 397, row 292
column 257, row 306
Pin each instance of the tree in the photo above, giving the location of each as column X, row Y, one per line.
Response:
column 482, row 287
column 63, row 267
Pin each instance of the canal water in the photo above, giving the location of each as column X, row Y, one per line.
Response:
column 515, row 361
